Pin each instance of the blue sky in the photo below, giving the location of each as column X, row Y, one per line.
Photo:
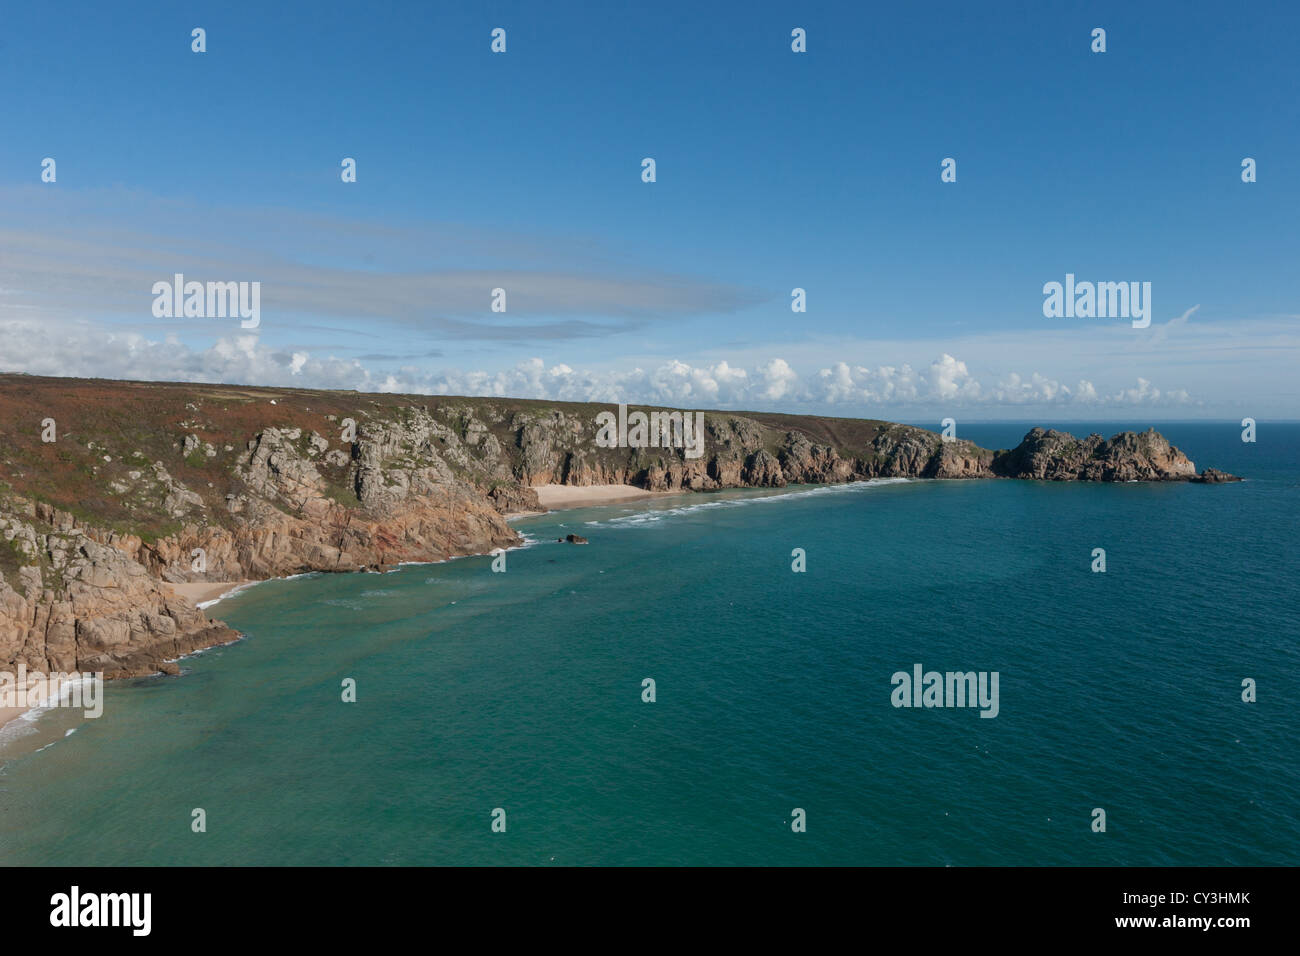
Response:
column 774, row 170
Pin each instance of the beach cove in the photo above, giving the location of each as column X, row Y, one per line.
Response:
column 477, row 690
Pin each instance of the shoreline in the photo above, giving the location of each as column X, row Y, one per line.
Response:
column 11, row 713
column 567, row 497
column 205, row 594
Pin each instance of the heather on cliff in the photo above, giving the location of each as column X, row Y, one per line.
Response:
column 110, row 489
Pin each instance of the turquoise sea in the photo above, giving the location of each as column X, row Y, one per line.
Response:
column 523, row 690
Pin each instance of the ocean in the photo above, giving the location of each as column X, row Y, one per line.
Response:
column 517, row 697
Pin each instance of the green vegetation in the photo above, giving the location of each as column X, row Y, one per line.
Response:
column 137, row 424
column 11, row 559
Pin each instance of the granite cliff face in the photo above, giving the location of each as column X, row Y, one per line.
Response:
column 76, row 603
column 109, row 491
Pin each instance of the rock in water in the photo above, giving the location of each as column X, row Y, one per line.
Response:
column 1046, row 454
column 1212, row 476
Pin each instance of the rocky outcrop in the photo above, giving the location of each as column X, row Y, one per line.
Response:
column 170, row 483
column 78, row 604
column 1129, row 456
column 92, row 599
column 1212, row 476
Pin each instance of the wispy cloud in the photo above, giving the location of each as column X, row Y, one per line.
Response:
column 75, row 299
column 1162, row 332
column 69, row 261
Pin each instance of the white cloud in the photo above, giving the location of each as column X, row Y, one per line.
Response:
column 81, row 350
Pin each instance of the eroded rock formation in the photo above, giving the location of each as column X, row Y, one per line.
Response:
column 148, row 484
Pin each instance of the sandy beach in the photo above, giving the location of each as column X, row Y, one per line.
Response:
column 12, row 711
column 200, row 591
column 8, row 693
column 560, row 497
column 9, row 713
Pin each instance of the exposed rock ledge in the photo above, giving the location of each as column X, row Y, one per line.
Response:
column 150, row 483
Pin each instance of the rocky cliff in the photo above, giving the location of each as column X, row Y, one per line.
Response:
column 110, row 490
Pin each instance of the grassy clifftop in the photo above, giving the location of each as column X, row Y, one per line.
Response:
column 111, row 437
